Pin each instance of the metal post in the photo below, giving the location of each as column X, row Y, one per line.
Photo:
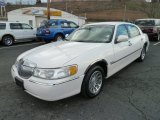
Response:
column 48, row 9
column 5, row 12
column 66, row 6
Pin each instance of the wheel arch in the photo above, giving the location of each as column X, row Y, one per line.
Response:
column 102, row 63
column 59, row 33
column 9, row 35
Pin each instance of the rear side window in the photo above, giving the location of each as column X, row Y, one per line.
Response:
column 53, row 24
column 64, row 25
column 15, row 26
column 133, row 31
column 2, row 26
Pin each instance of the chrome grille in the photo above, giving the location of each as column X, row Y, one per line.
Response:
column 24, row 71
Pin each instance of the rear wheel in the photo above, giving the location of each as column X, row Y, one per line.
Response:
column 93, row 82
column 7, row 40
column 58, row 37
column 143, row 54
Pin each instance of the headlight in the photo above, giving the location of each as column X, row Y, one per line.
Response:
column 58, row 73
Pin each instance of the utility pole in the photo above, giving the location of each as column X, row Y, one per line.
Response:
column 66, row 6
column 48, row 9
column 125, row 10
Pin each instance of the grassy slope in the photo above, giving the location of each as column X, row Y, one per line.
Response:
column 98, row 10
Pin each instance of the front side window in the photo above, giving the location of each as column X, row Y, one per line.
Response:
column 15, row 26
column 26, row 26
column 93, row 33
column 121, row 30
column 133, row 31
column 2, row 26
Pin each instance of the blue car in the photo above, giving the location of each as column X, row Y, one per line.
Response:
column 53, row 30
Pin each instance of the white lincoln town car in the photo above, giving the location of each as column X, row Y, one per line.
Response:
column 81, row 62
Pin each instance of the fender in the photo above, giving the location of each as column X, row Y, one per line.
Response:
column 98, row 61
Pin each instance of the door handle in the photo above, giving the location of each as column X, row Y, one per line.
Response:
column 130, row 44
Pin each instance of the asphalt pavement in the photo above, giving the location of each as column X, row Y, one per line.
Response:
column 131, row 94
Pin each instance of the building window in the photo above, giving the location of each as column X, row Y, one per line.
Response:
column 31, row 23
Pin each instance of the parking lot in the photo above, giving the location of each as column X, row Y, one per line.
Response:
column 131, row 94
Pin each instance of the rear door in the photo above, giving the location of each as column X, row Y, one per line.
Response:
column 16, row 30
column 136, row 40
column 65, row 28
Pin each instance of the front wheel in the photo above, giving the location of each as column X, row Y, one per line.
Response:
column 143, row 54
column 158, row 38
column 93, row 82
column 7, row 40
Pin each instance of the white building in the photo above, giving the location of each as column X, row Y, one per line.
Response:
column 35, row 15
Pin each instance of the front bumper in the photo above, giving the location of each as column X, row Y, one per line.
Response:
column 49, row 90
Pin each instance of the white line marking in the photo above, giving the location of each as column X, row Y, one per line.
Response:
column 156, row 43
column 20, row 45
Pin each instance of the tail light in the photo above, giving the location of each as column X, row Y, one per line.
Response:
column 46, row 31
column 155, row 30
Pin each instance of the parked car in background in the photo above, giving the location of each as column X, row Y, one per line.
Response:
column 54, row 30
column 81, row 63
column 11, row 32
column 150, row 26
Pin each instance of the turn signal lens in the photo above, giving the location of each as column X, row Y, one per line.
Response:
column 72, row 70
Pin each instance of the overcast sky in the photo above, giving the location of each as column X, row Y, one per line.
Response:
column 33, row 1
column 24, row 1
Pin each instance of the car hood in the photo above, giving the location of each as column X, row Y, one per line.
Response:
column 56, row 54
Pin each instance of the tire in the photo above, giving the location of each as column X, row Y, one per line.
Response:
column 90, row 86
column 143, row 54
column 8, row 40
column 158, row 38
column 58, row 37
column 48, row 41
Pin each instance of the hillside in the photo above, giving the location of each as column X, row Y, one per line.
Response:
column 98, row 10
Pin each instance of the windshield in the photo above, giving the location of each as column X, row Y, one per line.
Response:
column 2, row 26
column 92, row 33
column 145, row 22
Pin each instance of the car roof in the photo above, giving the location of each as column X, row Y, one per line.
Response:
column 57, row 20
column 109, row 23
column 10, row 22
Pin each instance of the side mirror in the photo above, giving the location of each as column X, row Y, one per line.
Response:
column 122, row 38
column 66, row 35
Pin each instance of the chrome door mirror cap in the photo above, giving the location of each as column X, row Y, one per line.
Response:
column 122, row 38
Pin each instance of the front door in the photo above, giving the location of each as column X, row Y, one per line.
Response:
column 122, row 51
column 28, row 31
